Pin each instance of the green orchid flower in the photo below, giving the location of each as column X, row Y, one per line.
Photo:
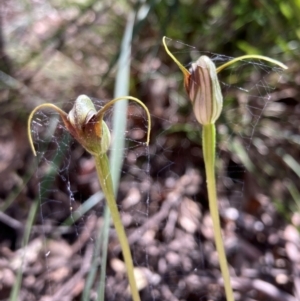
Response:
column 86, row 125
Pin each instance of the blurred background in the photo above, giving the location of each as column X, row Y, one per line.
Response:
column 53, row 51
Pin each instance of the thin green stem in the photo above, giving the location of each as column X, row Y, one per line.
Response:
column 103, row 171
column 209, row 152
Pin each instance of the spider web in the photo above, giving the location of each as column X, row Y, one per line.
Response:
column 247, row 88
column 242, row 147
column 162, row 193
column 74, row 208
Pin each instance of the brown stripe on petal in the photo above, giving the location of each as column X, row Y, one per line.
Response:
column 186, row 81
column 200, row 90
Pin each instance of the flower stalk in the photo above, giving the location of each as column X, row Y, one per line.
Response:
column 202, row 86
column 86, row 125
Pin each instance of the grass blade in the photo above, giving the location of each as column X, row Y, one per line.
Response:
column 119, row 127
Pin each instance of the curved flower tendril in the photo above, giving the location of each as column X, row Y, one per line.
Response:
column 85, row 124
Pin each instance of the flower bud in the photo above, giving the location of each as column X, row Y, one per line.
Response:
column 90, row 131
column 204, row 91
column 85, row 124
column 202, row 85
column 82, row 112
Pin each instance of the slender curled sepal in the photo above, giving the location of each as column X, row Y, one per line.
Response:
column 85, row 124
column 186, row 73
column 252, row 56
column 62, row 114
column 202, row 85
column 101, row 112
